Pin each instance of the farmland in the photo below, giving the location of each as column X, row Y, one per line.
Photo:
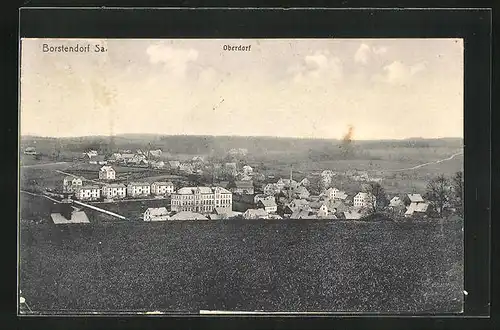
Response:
column 236, row 265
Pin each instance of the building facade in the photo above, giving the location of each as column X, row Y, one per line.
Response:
column 364, row 200
column 156, row 214
column 112, row 191
column 107, row 173
column 201, row 199
column 162, row 188
column 71, row 184
column 88, row 193
column 138, row 189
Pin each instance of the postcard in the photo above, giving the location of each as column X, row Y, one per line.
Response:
column 258, row 176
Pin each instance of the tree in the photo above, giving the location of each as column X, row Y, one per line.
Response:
column 380, row 200
column 457, row 183
column 437, row 192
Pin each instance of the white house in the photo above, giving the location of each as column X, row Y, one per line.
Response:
column 156, row 214
column 363, row 199
column 88, row 193
column 322, row 211
column 417, row 208
column 71, row 184
column 269, row 205
column 138, row 189
column 260, row 197
column 247, row 170
column 114, row 190
column 162, row 188
column 255, row 214
column 107, row 173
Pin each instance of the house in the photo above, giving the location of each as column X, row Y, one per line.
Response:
column 186, row 167
column 364, row 200
column 301, row 192
column 115, row 157
column 286, row 183
column 243, row 187
column 322, row 211
column 396, row 202
column 155, row 153
column 271, row 189
column 305, row 182
column 417, row 209
column 71, row 184
column 88, row 193
column 260, row 197
column 126, row 157
column 334, row 193
column 99, row 160
column 107, row 173
column 156, row 214
column 269, row 205
column 302, row 214
column 138, row 189
column 297, row 205
column 252, row 214
column 188, row 215
column 114, row 190
column 92, row 153
column 162, row 188
column 30, row 151
column 247, row 170
column 157, row 164
column 413, row 198
column 174, row 164
column 201, row 199
column 138, row 159
column 244, row 177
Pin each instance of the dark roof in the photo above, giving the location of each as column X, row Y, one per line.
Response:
column 244, row 184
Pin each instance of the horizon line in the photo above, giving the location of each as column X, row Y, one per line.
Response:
column 238, row 136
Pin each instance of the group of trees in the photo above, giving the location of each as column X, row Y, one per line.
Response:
column 442, row 193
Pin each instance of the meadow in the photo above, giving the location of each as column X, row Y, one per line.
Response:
column 237, row 265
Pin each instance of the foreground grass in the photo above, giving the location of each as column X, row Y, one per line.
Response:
column 267, row 265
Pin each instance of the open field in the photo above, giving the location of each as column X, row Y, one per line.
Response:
column 239, row 265
column 132, row 209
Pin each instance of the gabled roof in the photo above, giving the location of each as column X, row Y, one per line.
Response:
column 244, row 184
column 302, row 214
column 256, row 213
column 90, row 187
column 192, row 190
column 301, row 190
column 162, row 183
column 107, row 168
column 415, row 198
column 138, row 184
column 115, row 185
column 417, row 207
column 157, row 211
column 71, row 178
column 268, row 202
column 187, row 215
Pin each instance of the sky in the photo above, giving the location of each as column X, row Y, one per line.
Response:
column 306, row 88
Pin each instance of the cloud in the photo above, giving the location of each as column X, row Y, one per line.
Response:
column 321, row 64
column 399, row 73
column 364, row 53
column 174, row 60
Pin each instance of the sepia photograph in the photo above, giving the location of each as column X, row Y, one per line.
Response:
column 214, row 176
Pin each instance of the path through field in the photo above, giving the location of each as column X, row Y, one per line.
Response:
column 43, row 165
column 426, row 164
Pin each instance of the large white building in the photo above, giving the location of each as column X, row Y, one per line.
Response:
column 162, row 188
column 363, row 200
column 138, row 189
column 88, row 193
column 114, row 190
column 107, row 173
column 71, row 184
column 202, row 199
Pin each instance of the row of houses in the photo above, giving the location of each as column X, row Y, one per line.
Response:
column 74, row 185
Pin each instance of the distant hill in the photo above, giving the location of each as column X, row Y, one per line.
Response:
column 314, row 149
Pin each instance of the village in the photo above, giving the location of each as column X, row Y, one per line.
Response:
column 229, row 190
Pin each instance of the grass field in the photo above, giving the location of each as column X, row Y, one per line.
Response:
column 239, row 265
